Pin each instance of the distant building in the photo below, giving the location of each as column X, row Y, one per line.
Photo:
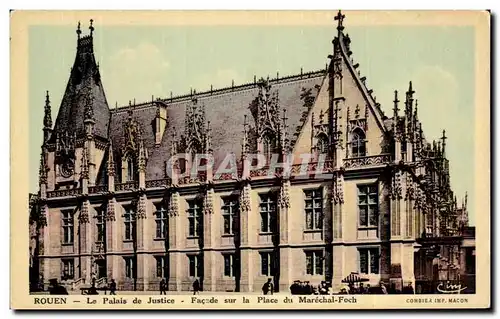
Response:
column 116, row 209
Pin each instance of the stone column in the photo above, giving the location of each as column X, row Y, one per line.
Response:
column 174, row 281
column 142, row 243
column 285, row 225
column 86, row 241
column 334, row 260
column 247, row 272
column 209, row 231
column 112, row 237
column 338, row 266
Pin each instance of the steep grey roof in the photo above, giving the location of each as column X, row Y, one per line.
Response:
column 225, row 109
column 84, row 79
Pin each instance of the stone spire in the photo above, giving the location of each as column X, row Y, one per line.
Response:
column 47, row 119
column 443, row 143
column 395, row 116
column 409, row 110
column 111, row 161
column 84, row 99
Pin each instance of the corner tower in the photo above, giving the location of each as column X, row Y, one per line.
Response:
column 82, row 121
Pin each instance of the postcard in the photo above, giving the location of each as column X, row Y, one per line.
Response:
column 250, row 160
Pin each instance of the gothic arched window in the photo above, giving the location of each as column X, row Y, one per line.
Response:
column 130, row 169
column 358, row 143
column 269, row 145
column 322, row 144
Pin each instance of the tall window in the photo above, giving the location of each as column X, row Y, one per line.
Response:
column 229, row 211
column 268, row 212
column 314, row 262
column 230, row 265
column 161, row 222
column 322, row 144
column 100, row 225
column 368, row 205
column 129, row 220
column 161, row 266
column 269, row 145
column 267, row 263
column 314, row 209
column 195, row 217
column 195, row 265
column 68, row 269
column 369, row 259
column 130, row 169
column 67, row 227
column 129, row 267
column 358, row 143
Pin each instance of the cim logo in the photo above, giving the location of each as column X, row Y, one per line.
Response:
column 450, row 288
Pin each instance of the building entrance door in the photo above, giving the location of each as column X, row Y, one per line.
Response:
column 101, row 268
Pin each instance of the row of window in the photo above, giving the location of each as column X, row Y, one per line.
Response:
column 269, row 263
column 313, row 211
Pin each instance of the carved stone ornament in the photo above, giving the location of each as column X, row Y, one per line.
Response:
column 338, row 191
column 321, row 127
column 110, row 211
column 196, row 129
column 396, row 186
column 132, row 134
column 410, row 189
column 208, row 205
column 173, row 205
column 245, row 206
column 65, row 153
column 267, row 117
column 141, row 207
column 284, row 198
column 84, row 213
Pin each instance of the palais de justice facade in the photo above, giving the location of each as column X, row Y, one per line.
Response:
column 109, row 206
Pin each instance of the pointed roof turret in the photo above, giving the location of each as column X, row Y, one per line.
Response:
column 111, row 161
column 84, row 98
column 47, row 117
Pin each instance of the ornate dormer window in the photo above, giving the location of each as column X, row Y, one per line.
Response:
column 130, row 169
column 322, row 144
column 132, row 144
column 357, row 128
column 358, row 143
column 269, row 128
column 197, row 129
column 269, row 145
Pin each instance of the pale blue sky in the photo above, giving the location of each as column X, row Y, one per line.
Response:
column 137, row 62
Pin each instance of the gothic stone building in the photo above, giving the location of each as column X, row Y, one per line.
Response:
column 110, row 206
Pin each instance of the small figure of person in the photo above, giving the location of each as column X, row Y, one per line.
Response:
column 362, row 289
column 323, row 288
column 268, row 287
column 383, row 289
column 56, row 289
column 294, row 288
column 408, row 289
column 93, row 289
column 308, row 288
column 368, row 289
column 196, row 287
column 163, row 287
column 112, row 287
